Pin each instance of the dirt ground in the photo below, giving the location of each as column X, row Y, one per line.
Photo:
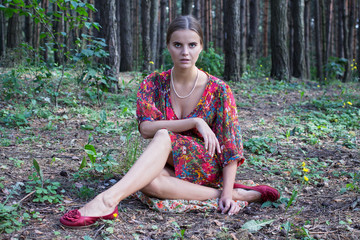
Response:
column 320, row 211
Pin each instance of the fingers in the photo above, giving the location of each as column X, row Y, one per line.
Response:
column 230, row 207
column 212, row 144
column 224, row 206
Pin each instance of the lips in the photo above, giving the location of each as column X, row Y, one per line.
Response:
column 185, row 60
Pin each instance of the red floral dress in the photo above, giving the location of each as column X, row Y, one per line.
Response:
column 216, row 106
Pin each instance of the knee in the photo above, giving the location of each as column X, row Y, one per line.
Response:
column 163, row 138
column 154, row 188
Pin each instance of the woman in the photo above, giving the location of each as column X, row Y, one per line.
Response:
column 196, row 143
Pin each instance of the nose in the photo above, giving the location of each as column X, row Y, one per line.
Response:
column 185, row 51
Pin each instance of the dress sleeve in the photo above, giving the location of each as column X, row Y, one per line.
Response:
column 227, row 128
column 148, row 104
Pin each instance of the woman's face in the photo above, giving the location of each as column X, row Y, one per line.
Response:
column 184, row 47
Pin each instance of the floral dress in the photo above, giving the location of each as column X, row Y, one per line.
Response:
column 216, row 106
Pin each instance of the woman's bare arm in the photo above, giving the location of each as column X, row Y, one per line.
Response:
column 149, row 128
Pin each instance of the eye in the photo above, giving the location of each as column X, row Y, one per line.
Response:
column 192, row 45
column 177, row 45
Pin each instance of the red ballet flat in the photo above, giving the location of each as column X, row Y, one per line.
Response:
column 73, row 219
column 267, row 193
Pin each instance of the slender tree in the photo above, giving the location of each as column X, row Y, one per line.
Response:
column 218, row 40
column 329, row 16
column 348, row 25
column 298, row 61
column 279, row 31
column 307, row 38
column 318, row 50
column 162, row 27
column 154, row 13
column 252, row 42
column 2, row 32
column 358, row 40
column 339, row 45
column 145, row 34
column 265, row 28
column 196, row 11
column 13, row 31
column 232, row 40
column 126, row 62
column 186, row 7
column 243, row 57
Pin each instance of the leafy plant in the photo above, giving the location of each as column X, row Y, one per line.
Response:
column 10, row 217
column 260, row 145
column 44, row 190
column 98, row 161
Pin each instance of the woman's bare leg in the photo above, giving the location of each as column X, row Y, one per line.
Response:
column 145, row 169
column 167, row 186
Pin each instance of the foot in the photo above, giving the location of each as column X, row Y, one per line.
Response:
column 90, row 213
column 99, row 206
column 246, row 195
column 267, row 193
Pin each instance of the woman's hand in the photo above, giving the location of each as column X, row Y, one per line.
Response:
column 229, row 206
column 210, row 139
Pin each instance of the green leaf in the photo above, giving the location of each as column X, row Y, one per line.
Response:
column 37, row 168
column 83, row 163
column 255, row 225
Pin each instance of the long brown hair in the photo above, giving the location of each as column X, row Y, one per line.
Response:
column 184, row 23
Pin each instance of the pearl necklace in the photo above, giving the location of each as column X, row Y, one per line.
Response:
column 192, row 90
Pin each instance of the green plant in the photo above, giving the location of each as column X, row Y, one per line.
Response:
column 98, row 162
column 44, row 190
column 10, row 217
column 260, row 145
column 335, row 68
column 355, row 184
column 17, row 162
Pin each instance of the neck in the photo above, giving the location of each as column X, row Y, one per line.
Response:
column 185, row 75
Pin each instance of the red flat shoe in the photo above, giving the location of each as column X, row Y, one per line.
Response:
column 73, row 219
column 267, row 193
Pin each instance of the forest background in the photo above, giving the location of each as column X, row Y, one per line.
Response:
column 69, row 71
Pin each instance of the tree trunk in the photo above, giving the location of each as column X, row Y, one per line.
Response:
column 112, row 37
column 329, row 17
column 265, row 28
column 219, row 43
column 145, row 34
column 279, row 31
column 58, row 27
column 232, row 40
column 162, row 27
column 2, row 32
column 348, row 24
column 13, row 32
column 154, row 33
column 339, row 49
column 197, row 9
column 358, row 40
column 126, row 38
column 299, row 39
column 253, row 32
column 136, row 33
column 243, row 57
column 307, row 38
column 186, row 7
column 318, row 51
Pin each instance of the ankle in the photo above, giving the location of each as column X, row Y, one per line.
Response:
column 107, row 201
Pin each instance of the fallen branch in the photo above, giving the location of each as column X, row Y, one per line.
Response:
column 26, row 196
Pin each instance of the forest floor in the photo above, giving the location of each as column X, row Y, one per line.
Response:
column 299, row 137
